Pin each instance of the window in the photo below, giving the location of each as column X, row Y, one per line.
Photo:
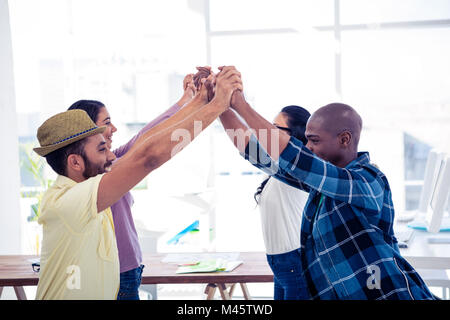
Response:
column 388, row 59
column 382, row 11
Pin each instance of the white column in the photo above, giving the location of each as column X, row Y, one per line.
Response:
column 9, row 158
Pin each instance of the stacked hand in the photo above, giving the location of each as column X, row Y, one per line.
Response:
column 205, row 73
column 204, row 89
column 188, row 90
column 188, row 85
column 227, row 81
column 229, row 77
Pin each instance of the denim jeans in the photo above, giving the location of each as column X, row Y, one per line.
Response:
column 129, row 284
column 289, row 284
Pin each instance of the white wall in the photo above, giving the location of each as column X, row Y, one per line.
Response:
column 9, row 157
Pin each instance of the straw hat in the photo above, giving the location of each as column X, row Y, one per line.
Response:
column 63, row 129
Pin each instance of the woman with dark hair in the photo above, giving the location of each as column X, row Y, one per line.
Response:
column 281, row 208
column 130, row 255
column 291, row 119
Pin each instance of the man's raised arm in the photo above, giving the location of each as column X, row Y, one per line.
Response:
column 159, row 147
column 237, row 131
column 273, row 140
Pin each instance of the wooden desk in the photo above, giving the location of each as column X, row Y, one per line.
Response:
column 254, row 269
column 16, row 271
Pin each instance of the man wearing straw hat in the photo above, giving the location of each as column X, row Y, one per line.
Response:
column 79, row 257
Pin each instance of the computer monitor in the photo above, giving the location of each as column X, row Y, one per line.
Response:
column 423, row 215
column 433, row 165
column 439, row 198
column 431, row 170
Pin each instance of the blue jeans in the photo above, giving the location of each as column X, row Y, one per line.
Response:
column 289, row 284
column 129, row 284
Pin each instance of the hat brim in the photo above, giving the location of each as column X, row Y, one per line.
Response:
column 43, row 151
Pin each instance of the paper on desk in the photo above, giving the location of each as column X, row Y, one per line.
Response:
column 231, row 265
column 214, row 265
column 180, row 258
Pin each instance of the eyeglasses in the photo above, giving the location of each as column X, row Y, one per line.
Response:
column 284, row 128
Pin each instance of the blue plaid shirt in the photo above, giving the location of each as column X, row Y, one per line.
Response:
column 348, row 248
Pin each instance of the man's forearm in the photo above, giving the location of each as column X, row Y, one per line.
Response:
column 187, row 96
column 273, row 140
column 238, row 132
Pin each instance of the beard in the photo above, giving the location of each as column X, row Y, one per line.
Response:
column 92, row 169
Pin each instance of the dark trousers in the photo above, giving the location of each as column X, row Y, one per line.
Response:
column 289, row 284
column 129, row 284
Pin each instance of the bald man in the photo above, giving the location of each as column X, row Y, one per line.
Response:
column 348, row 249
column 333, row 133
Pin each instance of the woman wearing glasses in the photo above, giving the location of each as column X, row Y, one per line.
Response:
column 281, row 208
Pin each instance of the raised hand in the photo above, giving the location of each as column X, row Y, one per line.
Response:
column 227, row 81
column 188, row 90
column 238, row 100
column 204, row 73
column 188, row 85
column 204, row 88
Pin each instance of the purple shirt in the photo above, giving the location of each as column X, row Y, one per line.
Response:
column 130, row 255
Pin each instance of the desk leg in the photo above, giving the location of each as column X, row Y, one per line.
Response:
column 223, row 291
column 226, row 294
column 245, row 291
column 210, row 290
column 232, row 290
column 20, row 293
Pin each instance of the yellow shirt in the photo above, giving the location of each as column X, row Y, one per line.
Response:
column 79, row 258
